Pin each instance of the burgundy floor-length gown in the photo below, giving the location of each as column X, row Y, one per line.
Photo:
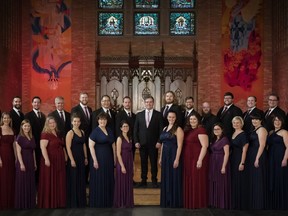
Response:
column 123, row 196
column 25, row 185
column 7, row 171
column 219, row 184
column 52, row 181
column 195, row 187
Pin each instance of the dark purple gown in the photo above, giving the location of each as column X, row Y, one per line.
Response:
column 219, row 184
column 25, row 186
column 123, row 196
column 7, row 172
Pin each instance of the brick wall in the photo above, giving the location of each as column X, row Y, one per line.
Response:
column 208, row 38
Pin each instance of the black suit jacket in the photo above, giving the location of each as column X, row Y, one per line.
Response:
column 37, row 125
column 226, row 118
column 248, row 127
column 111, row 120
column 148, row 136
column 122, row 115
column 208, row 122
column 16, row 121
column 268, row 124
column 63, row 127
column 175, row 108
column 85, row 123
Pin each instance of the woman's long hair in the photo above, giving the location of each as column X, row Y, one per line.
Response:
column 129, row 133
column 281, row 119
column 188, row 126
column 21, row 132
column 214, row 137
column 175, row 125
column 2, row 116
column 46, row 128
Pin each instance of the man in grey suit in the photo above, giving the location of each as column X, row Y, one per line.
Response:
column 147, row 130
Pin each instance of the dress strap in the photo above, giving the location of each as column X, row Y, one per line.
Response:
column 258, row 128
column 277, row 131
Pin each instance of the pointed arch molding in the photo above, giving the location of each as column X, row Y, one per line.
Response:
column 136, row 76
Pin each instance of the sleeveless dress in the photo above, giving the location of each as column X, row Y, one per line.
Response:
column 277, row 176
column 25, row 190
column 102, row 179
column 239, row 180
column 257, row 176
column 7, row 171
column 171, row 179
column 219, row 184
column 123, row 196
column 195, row 181
column 76, row 181
column 52, row 181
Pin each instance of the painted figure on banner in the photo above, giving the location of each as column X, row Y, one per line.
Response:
column 50, row 51
column 242, row 58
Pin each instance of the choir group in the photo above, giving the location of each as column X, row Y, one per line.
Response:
column 231, row 160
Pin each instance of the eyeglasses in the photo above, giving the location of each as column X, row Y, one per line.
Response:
column 272, row 99
column 215, row 129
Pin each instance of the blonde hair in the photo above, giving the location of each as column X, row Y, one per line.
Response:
column 46, row 128
column 239, row 118
column 21, row 133
column 2, row 116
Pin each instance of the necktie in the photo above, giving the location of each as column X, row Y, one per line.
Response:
column 148, row 118
column 108, row 112
column 129, row 114
column 38, row 114
column 62, row 116
column 19, row 113
column 86, row 113
column 247, row 113
column 187, row 114
column 268, row 113
column 165, row 111
column 223, row 111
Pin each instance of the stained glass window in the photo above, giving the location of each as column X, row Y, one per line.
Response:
column 150, row 4
column 182, row 23
column 110, row 4
column 110, row 24
column 182, row 3
column 146, row 24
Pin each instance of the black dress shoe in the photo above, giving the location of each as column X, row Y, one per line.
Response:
column 142, row 184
